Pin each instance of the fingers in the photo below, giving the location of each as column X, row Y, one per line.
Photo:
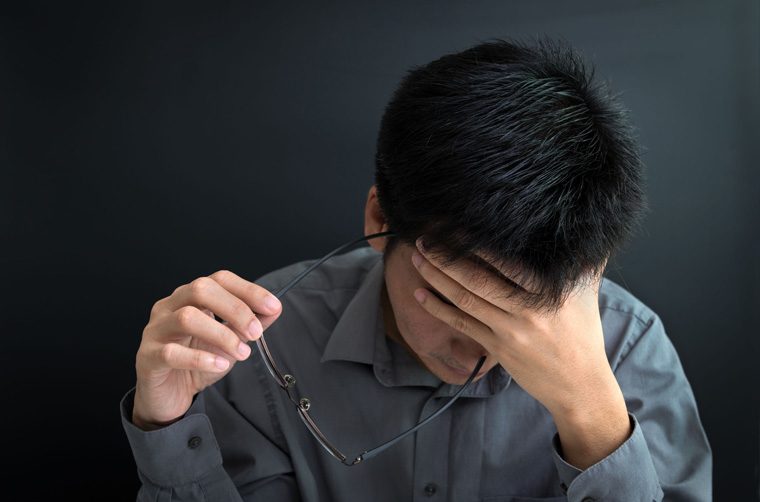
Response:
column 218, row 311
column 189, row 321
column 480, row 277
column 207, row 294
column 266, row 306
column 456, row 293
column 454, row 317
column 177, row 356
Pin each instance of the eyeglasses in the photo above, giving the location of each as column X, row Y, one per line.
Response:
column 287, row 382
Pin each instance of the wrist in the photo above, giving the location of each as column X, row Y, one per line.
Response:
column 591, row 430
column 145, row 421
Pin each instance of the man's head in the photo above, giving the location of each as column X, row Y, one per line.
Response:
column 512, row 150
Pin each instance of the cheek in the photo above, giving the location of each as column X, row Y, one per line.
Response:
column 420, row 329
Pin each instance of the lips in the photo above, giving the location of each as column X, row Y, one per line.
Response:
column 464, row 372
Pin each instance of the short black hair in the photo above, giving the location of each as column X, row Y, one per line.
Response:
column 513, row 149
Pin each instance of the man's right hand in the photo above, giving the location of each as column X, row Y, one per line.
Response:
column 184, row 348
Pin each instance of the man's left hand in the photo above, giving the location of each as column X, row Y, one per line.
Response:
column 558, row 358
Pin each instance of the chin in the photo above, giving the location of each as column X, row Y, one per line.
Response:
column 455, row 376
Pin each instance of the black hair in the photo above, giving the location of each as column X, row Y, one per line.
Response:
column 512, row 149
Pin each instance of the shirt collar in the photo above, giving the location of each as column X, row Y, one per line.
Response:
column 353, row 338
column 359, row 336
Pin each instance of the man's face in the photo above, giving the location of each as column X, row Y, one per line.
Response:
column 448, row 354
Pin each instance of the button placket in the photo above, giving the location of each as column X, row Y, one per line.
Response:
column 430, row 489
column 431, row 454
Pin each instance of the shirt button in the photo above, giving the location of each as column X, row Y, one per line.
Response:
column 563, row 486
column 430, row 489
column 194, row 442
column 588, row 499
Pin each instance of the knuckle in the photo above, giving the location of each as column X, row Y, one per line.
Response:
column 186, row 316
column 155, row 309
column 518, row 342
column 464, row 299
column 459, row 323
column 200, row 285
column 222, row 275
column 166, row 354
column 146, row 332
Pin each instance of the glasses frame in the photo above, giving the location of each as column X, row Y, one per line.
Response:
column 287, row 382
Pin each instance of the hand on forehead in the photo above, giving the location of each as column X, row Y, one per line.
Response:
column 496, row 280
column 480, row 273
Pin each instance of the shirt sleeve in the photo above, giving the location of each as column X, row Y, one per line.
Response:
column 183, row 461
column 667, row 456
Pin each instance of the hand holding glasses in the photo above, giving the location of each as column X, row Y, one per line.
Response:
column 185, row 348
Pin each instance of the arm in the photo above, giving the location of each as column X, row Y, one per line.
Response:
column 560, row 358
column 667, row 448
column 183, row 461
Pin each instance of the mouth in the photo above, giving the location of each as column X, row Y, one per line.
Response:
column 461, row 370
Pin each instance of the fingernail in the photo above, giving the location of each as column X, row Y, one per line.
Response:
column 416, row 258
column 244, row 350
column 419, row 295
column 255, row 328
column 221, row 363
column 272, row 303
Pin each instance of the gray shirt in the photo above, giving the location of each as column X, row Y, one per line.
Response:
column 242, row 439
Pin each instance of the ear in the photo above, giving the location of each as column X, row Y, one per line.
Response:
column 374, row 220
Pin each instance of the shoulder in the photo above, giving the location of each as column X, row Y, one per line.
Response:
column 614, row 298
column 626, row 320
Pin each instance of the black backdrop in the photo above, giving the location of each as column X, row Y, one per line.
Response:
column 145, row 144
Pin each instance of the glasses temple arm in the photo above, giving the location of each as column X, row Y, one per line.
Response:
column 374, row 451
column 314, row 265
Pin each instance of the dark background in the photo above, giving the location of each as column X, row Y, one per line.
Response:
column 145, row 145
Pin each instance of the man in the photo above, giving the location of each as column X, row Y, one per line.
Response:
column 505, row 180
